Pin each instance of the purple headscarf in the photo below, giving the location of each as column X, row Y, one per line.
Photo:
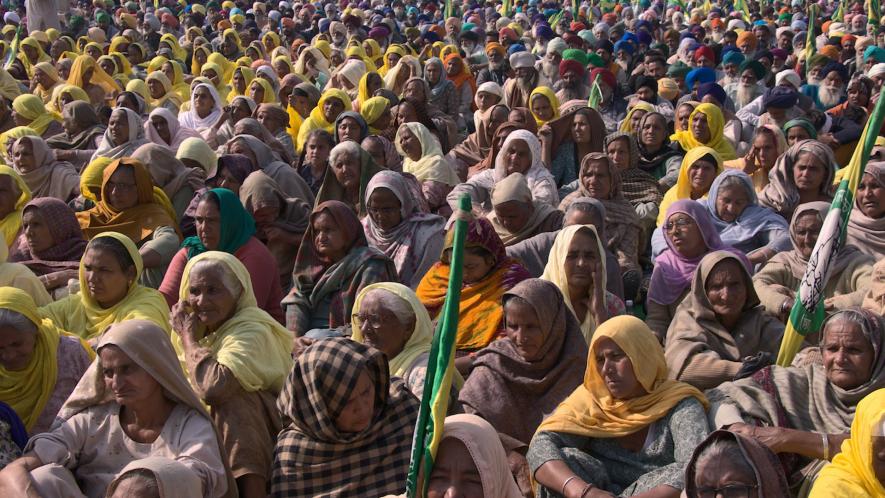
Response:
column 673, row 272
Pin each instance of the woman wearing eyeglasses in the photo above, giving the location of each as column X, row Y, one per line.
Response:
column 689, row 234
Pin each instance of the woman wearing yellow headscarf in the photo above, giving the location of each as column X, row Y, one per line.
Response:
column 637, row 110
column 240, row 82
column 543, row 112
column 200, row 57
column 237, row 358
column 31, row 54
column 156, row 63
column 175, row 72
column 369, row 83
column 45, row 80
column 371, row 110
column 114, row 72
column 90, row 181
column 261, row 91
column 8, row 138
column 283, row 66
column 172, row 42
column 696, row 174
column 271, row 41
column 11, row 219
column 627, row 415
column 31, row 112
column 388, row 64
column 373, row 51
column 323, row 116
column 89, row 76
column 64, row 94
column 216, row 73
column 230, row 35
column 705, row 127
column 161, row 92
column 37, row 379
column 357, row 52
column 855, row 472
column 119, row 298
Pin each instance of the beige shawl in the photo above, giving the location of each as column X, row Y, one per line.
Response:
column 695, row 334
column 544, row 217
column 167, row 171
column 49, row 178
column 865, row 233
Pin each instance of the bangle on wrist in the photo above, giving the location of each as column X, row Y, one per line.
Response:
column 586, row 490
column 826, row 442
column 566, row 483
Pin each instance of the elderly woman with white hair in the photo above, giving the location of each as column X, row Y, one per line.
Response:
column 351, row 168
column 520, row 153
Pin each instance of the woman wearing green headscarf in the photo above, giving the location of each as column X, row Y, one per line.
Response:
column 234, row 236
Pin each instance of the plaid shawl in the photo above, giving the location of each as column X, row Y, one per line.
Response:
column 312, row 457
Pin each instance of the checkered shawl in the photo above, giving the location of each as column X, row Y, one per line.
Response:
column 312, row 457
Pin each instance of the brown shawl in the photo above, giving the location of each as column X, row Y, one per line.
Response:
column 638, row 186
column 167, row 171
column 804, row 399
column 695, row 330
column 477, row 145
column 875, row 298
column 562, row 127
column 544, row 217
column 68, row 242
column 621, row 221
column 332, row 190
column 865, row 233
column 515, row 395
column 781, row 194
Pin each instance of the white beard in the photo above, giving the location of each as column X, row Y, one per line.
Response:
column 746, row 93
column 829, row 96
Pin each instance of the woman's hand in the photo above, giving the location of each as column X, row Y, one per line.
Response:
column 597, row 297
column 65, row 155
column 185, row 323
column 300, row 344
column 772, row 437
column 545, row 133
column 519, row 467
column 751, row 161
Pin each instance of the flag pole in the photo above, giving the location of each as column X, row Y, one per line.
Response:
column 440, row 364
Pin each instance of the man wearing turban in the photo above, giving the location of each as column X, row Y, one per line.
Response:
column 572, row 81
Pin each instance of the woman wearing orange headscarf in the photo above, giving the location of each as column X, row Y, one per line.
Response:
column 131, row 205
column 465, row 86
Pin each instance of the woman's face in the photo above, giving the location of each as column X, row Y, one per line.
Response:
column 581, row 130
column 653, row 132
column 357, row 413
column 256, row 92
column 16, row 347
column 410, row 144
column 281, row 68
column 37, row 232
column 766, row 149
column 30, row 53
column 349, row 129
column 682, row 115
column 332, row 107
column 700, row 128
column 239, row 82
column 847, row 354
column 109, row 66
column 121, row 189
column 517, row 157
column 731, row 202
column 805, row 231
column 347, row 171
column 616, row 370
column 382, row 329
column 169, row 71
column 541, row 107
column 619, row 153
column 405, row 113
column 239, row 111
column 156, row 88
column 23, row 156
column 212, row 76
column 514, row 215
column 270, row 122
column 208, row 224
column 224, row 179
column 636, row 118
column 476, row 266
column 414, row 90
column 329, row 239
column 432, row 74
column 106, row 281
column 718, row 472
column 384, row 208
column 871, row 197
column 240, row 147
column 685, row 235
column 162, row 128
column 212, row 302
column 9, row 195
column 701, row 175
column 796, row 134
column 524, row 329
column 19, row 120
column 204, row 103
column 726, row 290
column 131, row 384
column 484, row 100
column 454, row 472
column 809, row 173
column 581, row 260
column 596, row 179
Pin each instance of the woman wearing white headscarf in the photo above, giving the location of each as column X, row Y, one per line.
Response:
column 164, row 129
column 423, row 158
column 125, row 133
column 520, row 153
column 205, row 109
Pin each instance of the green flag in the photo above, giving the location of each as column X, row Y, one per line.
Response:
column 809, row 37
column 595, row 94
column 440, row 365
column 808, row 314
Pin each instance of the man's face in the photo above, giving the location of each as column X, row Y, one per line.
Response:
column 656, row 69
column 525, row 73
